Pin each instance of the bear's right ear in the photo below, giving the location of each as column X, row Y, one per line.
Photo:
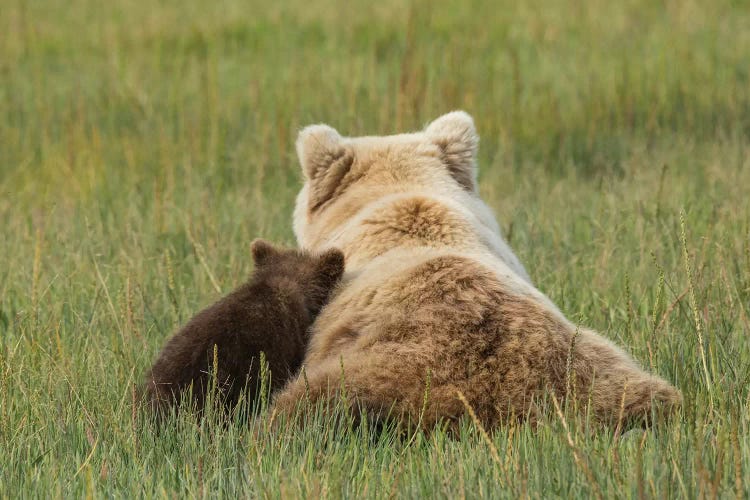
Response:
column 456, row 136
column 331, row 266
column 262, row 250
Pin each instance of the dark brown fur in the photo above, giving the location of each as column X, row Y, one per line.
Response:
column 271, row 313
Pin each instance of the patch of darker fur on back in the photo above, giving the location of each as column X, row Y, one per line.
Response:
column 221, row 346
column 412, row 221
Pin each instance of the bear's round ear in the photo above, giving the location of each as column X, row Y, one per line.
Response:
column 317, row 147
column 456, row 126
column 262, row 250
column 331, row 266
column 454, row 133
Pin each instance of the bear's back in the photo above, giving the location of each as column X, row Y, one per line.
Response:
column 435, row 292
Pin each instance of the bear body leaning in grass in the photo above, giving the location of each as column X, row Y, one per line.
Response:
column 271, row 313
column 433, row 297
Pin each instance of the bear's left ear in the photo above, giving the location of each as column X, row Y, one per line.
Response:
column 325, row 160
column 262, row 250
column 317, row 147
column 454, row 133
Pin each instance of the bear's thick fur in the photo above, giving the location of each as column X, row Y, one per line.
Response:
column 271, row 313
column 433, row 296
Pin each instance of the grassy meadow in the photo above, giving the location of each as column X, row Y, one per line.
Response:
column 143, row 145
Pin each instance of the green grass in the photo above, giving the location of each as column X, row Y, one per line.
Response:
column 143, row 145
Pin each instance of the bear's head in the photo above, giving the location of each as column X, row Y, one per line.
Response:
column 314, row 274
column 343, row 174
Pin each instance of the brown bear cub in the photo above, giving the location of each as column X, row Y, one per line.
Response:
column 271, row 313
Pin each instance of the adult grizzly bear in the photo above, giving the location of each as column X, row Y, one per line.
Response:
column 432, row 291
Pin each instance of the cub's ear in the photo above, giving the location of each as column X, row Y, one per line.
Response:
column 331, row 266
column 262, row 250
column 325, row 160
column 454, row 133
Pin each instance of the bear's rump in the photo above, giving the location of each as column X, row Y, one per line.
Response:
column 451, row 310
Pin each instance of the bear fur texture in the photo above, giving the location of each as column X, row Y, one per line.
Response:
column 433, row 296
column 271, row 313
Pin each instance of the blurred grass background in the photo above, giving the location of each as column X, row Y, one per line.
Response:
column 143, row 145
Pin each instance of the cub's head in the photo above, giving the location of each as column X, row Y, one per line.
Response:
column 315, row 275
column 342, row 174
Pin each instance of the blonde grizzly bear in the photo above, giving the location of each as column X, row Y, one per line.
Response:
column 434, row 302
